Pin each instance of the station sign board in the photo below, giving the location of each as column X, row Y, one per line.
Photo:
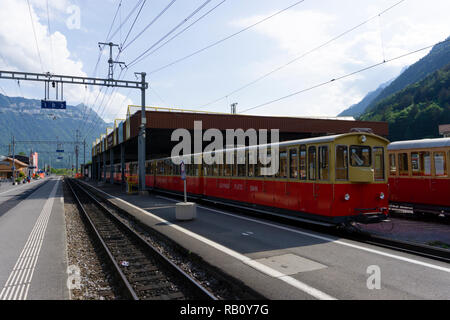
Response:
column 183, row 171
column 53, row 104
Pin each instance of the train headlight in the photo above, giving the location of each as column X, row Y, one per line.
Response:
column 347, row 197
column 382, row 196
column 363, row 139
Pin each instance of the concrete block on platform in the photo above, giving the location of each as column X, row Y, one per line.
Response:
column 185, row 210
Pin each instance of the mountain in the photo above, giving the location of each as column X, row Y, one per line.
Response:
column 25, row 119
column 437, row 58
column 416, row 111
column 357, row 109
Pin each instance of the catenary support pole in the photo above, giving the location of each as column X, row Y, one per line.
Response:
column 142, row 139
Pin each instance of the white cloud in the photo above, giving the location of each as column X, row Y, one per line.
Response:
column 18, row 50
column 298, row 31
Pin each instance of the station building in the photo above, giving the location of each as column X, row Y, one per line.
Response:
column 120, row 143
column 6, row 165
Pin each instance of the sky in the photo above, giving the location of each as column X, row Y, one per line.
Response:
column 65, row 37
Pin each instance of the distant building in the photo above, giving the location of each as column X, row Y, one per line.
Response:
column 33, row 163
column 444, row 129
column 6, row 167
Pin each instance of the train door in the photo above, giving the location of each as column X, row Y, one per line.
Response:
column 439, row 183
column 310, row 190
column 292, row 186
column 323, row 188
column 281, row 184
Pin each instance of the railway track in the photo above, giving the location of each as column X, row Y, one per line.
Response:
column 141, row 271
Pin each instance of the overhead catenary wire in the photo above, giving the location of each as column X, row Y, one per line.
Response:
column 108, row 38
column 84, row 116
column 265, row 75
column 113, row 92
column 126, row 19
column 134, row 22
column 50, row 36
column 171, row 31
column 35, row 37
column 142, row 3
column 183, row 30
column 219, row 41
column 150, row 23
column 339, row 78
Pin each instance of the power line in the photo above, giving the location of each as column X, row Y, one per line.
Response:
column 224, row 39
column 113, row 92
column 150, row 24
column 50, row 36
column 171, row 31
column 34, row 32
column 120, row 51
column 301, row 56
column 339, row 78
column 134, row 22
column 126, row 19
column 182, row 31
column 85, row 116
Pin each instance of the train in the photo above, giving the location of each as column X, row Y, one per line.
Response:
column 416, row 178
column 333, row 180
column 418, row 175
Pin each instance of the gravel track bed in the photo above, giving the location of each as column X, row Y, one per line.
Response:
column 95, row 279
column 221, row 287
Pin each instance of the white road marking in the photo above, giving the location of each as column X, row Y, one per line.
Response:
column 22, row 186
column 425, row 264
column 246, row 260
column 22, row 273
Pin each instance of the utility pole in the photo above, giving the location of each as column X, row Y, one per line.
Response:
column 233, row 108
column 76, row 150
column 142, row 138
column 14, row 160
column 84, row 152
column 111, row 62
column 85, row 81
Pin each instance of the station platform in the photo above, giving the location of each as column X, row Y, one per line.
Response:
column 286, row 262
column 33, row 242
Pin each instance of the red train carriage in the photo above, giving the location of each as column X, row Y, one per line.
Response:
column 418, row 175
column 117, row 173
column 131, row 173
column 337, row 179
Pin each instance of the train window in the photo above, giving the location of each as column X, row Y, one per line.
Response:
column 215, row 171
column 152, row 167
column 241, row 165
column 420, row 163
column 251, row 167
column 283, row 170
column 302, row 162
column 293, row 163
column 341, row 163
column 360, row 156
column 220, row 170
column 440, row 161
column 323, row 163
column 168, row 167
column 403, row 164
column 148, row 166
column 195, row 170
column 378, row 163
column 227, row 170
column 312, row 163
column 392, row 165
